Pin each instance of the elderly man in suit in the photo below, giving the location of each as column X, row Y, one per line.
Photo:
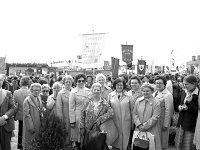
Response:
column 167, row 108
column 7, row 109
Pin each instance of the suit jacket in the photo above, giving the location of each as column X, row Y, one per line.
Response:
column 19, row 97
column 187, row 118
column 7, row 107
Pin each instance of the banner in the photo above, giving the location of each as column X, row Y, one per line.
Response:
column 92, row 49
column 127, row 53
column 172, row 62
column 39, row 70
column 115, row 67
column 2, row 65
column 141, row 67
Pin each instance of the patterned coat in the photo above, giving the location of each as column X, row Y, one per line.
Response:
column 122, row 118
column 167, row 109
column 89, row 116
column 77, row 99
column 62, row 106
column 148, row 114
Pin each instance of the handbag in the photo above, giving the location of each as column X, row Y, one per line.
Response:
column 111, row 130
column 141, row 143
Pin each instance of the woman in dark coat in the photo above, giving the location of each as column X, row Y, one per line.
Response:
column 188, row 111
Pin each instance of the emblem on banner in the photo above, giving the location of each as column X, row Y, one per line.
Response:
column 141, row 67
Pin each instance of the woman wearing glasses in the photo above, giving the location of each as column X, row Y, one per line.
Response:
column 62, row 103
column 32, row 115
column 44, row 94
column 77, row 99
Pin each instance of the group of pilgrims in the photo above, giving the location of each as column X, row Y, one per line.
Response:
column 64, row 114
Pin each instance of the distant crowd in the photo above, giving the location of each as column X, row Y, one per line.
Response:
column 100, row 112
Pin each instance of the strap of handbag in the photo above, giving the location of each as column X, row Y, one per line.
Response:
column 146, row 135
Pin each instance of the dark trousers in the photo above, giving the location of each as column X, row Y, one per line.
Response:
column 20, row 130
column 5, row 138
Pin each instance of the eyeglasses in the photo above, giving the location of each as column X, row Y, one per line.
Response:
column 45, row 91
column 79, row 81
column 159, row 83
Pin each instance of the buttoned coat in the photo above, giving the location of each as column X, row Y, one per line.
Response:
column 122, row 118
column 7, row 107
column 62, row 106
column 77, row 100
column 167, row 109
column 31, row 120
column 19, row 97
column 148, row 114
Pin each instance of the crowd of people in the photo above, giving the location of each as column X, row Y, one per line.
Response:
column 99, row 112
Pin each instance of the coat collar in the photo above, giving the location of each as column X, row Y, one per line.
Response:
column 76, row 89
column 31, row 99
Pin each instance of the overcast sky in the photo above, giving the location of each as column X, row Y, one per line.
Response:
column 40, row 31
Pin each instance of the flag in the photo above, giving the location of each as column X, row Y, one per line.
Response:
column 2, row 65
column 92, row 50
column 141, row 67
column 115, row 67
column 127, row 53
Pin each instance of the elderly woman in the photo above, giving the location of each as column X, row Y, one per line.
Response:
column 120, row 101
column 44, row 94
column 188, row 112
column 146, row 115
column 95, row 112
column 62, row 103
column 52, row 99
column 135, row 92
column 167, row 108
column 32, row 115
column 100, row 78
column 78, row 96
column 19, row 97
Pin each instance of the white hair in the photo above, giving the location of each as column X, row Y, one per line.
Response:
column 100, row 75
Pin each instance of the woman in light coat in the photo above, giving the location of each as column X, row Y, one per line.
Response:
column 146, row 114
column 100, row 78
column 52, row 99
column 62, row 103
column 77, row 99
column 197, row 130
column 120, row 101
column 167, row 108
column 32, row 115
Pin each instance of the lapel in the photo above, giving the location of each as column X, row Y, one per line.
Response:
column 30, row 100
column 4, row 92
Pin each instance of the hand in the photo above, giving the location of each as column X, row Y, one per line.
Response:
column 164, row 128
column 141, row 127
column 180, row 108
column 2, row 121
column 72, row 125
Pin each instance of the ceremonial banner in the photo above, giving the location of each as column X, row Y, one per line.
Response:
column 172, row 62
column 92, row 49
column 2, row 65
column 141, row 67
column 115, row 67
column 127, row 53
